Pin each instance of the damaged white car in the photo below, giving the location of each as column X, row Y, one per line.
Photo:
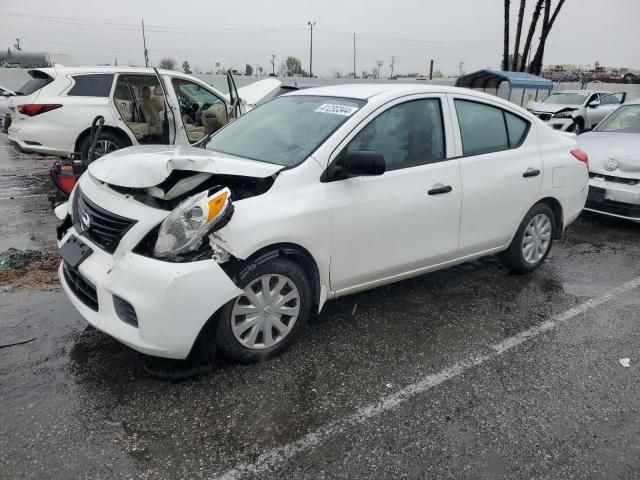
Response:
column 311, row 196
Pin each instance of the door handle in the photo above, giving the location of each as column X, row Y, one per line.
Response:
column 440, row 189
column 531, row 172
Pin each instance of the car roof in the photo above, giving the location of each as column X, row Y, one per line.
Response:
column 576, row 91
column 365, row 91
column 58, row 69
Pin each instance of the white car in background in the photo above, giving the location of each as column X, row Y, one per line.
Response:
column 614, row 151
column 311, row 196
column 141, row 106
column 5, row 96
column 576, row 110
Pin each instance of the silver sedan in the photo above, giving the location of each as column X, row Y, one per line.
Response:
column 614, row 163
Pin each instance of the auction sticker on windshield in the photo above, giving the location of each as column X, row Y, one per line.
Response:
column 336, row 109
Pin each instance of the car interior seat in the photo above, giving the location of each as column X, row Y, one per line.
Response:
column 214, row 118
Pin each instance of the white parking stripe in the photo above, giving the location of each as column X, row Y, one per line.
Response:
column 17, row 197
column 274, row 457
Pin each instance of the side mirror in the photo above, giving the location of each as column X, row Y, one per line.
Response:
column 363, row 163
column 594, row 103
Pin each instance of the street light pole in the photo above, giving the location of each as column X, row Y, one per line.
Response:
column 311, row 24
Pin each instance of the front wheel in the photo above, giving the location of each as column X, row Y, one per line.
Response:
column 269, row 315
column 532, row 242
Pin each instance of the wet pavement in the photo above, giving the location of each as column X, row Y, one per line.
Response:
column 465, row 373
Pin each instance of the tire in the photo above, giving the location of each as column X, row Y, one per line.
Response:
column 539, row 228
column 244, row 337
column 108, row 140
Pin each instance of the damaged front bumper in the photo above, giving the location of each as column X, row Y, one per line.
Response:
column 614, row 198
column 155, row 307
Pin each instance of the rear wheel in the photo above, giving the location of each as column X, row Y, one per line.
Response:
column 532, row 242
column 107, row 142
column 269, row 315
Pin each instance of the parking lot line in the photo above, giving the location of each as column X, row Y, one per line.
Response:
column 273, row 457
column 17, row 197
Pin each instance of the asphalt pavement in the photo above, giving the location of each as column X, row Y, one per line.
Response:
column 468, row 372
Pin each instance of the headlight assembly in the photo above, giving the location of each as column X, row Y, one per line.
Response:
column 566, row 114
column 185, row 227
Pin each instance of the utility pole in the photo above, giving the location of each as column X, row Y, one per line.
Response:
column 311, row 24
column 273, row 64
column 144, row 42
column 431, row 70
column 460, row 68
column 379, row 63
column 354, row 55
column 393, row 61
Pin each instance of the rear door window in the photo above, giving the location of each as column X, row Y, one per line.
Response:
column 98, row 85
column 486, row 129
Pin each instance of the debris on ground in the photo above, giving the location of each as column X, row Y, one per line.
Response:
column 625, row 362
column 28, row 269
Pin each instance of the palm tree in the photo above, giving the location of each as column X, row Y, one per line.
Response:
column 505, row 56
column 516, row 48
column 536, row 63
column 532, row 29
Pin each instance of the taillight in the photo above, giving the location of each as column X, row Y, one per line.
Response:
column 33, row 109
column 580, row 155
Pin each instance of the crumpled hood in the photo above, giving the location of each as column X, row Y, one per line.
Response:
column 621, row 150
column 549, row 107
column 149, row 165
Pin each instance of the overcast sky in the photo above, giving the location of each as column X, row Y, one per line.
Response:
column 248, row 31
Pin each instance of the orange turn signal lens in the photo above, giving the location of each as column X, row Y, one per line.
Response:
column 216, row 205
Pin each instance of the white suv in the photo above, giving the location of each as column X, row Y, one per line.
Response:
column 140, row 106
column 313, row 195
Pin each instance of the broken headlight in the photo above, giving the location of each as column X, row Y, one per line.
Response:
column 188, row 224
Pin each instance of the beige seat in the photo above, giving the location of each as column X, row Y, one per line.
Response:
column 158, row 98
column 194, row 132
column 125, row 108
column 140, row 130
column 214, row 118
column 150, row 112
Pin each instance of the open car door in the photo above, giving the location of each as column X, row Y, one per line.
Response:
column 168, row 117
column 236, row 108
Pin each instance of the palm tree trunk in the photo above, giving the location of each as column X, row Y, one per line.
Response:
column 532, row 29
column 505, row 56
column 516, row 48
column 536, row 64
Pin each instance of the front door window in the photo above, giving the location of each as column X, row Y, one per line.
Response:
column 202, row 112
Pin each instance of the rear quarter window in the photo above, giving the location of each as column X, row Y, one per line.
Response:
column 91, row 85
column 38, row 80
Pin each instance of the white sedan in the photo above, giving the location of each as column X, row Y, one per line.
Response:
column 614, row 149
column 314, row 195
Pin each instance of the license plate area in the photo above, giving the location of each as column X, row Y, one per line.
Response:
column 74, row 252
column 596, row 195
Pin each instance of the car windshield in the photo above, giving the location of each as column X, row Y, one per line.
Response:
column 286, row 130
column 566, row 98
column 625, row 119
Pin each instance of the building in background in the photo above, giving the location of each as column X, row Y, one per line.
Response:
column 21, row 59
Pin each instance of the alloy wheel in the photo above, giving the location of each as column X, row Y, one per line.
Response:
column 266, row 312
column 536, row 239
column 103, row 147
